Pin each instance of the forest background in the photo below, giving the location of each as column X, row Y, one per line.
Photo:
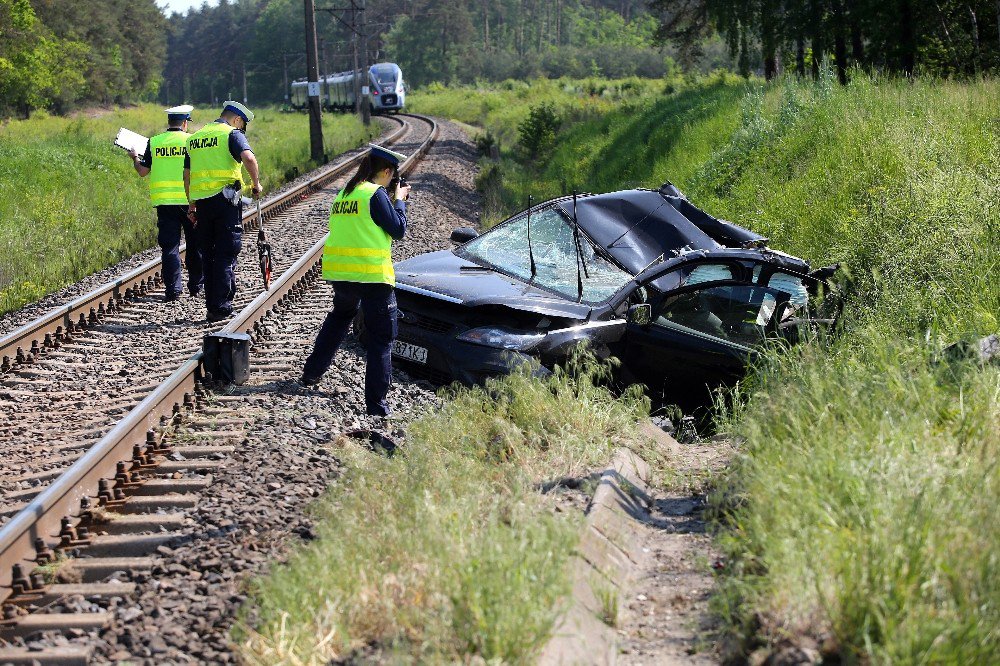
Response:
column 61, row 54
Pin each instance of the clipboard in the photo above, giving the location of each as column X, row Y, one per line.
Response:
column 128, row 140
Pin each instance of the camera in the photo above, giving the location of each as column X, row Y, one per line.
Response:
column 396, row 182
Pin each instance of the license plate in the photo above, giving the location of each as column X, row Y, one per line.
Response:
column 409, row 352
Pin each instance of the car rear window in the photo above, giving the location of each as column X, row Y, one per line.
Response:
column 506, row 248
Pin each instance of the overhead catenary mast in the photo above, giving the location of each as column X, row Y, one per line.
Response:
column 365, row 110
column 312, row 71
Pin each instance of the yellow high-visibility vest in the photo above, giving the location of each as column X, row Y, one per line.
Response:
column 357, row 249
column 212, row 165
column 166, row 171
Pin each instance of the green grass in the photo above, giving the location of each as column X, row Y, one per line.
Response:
column 611, row 131
column 861, row 510
column 500, row 107
column 71, row 204
column 866, row 494
column 446, row 550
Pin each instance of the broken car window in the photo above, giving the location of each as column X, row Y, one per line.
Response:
column 709, row 273
column 791, row 285
column 734, row 313
column 506, row 248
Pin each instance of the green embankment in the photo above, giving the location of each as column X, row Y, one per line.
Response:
column 862, row 509
column 590, row 113
column 445, row 550
column 503, row 106
column 71, row 204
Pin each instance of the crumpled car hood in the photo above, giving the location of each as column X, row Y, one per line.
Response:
column 443, row 273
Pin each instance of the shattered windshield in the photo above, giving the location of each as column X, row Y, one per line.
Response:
column 552, row 243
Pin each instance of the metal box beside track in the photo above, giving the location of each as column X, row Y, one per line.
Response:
column 227, row 357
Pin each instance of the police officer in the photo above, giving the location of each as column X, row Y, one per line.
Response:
column 357, row 258
column 163, row 162
column 214, row 182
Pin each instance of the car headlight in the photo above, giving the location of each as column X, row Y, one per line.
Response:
column 501, row 338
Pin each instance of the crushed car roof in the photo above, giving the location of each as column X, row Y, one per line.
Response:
column 637, row 226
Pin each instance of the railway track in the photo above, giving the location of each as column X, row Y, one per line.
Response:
column 95, row 486
column 83, row 366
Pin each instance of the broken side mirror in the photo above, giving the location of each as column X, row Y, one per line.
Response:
column 640, row 314
column 463, row 235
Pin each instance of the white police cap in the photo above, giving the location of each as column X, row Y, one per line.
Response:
column 386, row 154
column 183, row 110
column 237, row 108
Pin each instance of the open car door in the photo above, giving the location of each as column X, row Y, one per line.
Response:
column 708, row 320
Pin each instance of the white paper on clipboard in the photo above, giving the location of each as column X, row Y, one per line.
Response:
column 129, row 140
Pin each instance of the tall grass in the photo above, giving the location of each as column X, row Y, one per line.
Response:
column 862, row 509
column 445, row 551
column 862, row 512
column 868, row 486
column 70, row 203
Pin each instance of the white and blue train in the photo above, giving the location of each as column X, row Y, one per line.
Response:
column 386, row 90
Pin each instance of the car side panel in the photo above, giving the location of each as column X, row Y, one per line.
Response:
column 681, row 367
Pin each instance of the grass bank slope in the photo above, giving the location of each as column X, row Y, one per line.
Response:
column 861, row 515
column 501, row 107
column 71, row 204
column 446, row 550
column 595, row 145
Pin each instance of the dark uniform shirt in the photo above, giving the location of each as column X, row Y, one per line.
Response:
column 237, row 144
column 392, row 220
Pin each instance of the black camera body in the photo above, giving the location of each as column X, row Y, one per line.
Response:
column 395, row 183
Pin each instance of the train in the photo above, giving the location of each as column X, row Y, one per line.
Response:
column 386, row 90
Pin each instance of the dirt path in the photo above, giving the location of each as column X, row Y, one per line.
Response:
column 665, row 617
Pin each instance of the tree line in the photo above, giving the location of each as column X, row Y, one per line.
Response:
column 212, row 49
column 56, row 54
column 937, row 37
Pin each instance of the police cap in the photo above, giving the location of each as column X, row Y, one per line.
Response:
column 179, row 113
column 390, row 156
column 237, row 108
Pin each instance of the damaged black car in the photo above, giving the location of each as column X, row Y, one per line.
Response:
column 684, row 300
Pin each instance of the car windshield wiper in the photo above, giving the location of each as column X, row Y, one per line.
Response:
column 477, row 267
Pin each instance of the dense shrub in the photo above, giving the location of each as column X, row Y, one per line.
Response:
column 538, row 131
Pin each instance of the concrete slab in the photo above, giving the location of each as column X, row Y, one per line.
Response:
column 609, row 553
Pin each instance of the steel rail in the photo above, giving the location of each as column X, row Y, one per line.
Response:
column 41, row 519
column 24, row 344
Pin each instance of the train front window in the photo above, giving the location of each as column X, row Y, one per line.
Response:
column 384, row 75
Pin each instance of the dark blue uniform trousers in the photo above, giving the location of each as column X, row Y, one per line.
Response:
column 220, row 239
column 170, row 221
column 378, row 302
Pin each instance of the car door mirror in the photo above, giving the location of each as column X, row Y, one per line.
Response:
column 463, row 235
column 640, row 314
